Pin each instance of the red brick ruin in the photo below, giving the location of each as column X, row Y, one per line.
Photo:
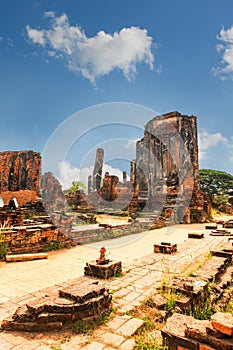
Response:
column 20, row 176
column 166, row 168
column 164, row 177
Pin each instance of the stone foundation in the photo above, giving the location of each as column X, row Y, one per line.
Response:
column 33, row 239
column 10, row 218
column 183, row 332
column 86, row 301
column 22, row 196
column 111, row 269
column 165, row 248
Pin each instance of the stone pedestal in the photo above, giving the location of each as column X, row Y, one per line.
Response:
column 108, row 270
column 196, row 235
column 165, row 248
column 211, row 227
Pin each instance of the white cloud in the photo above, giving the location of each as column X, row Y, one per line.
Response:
column 68, row 174
column 95, row 56
column 131, row 145
column 10, row 43
column 225, row 70
column 49, row 14
column 207, row 140
column 1, row 39
column 35, row 35
column 202, row 154
column 113, row 171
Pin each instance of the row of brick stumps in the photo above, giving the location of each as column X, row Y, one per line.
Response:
column 186, row 333
column 207, row 285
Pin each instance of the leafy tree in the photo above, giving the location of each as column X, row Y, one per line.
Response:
column 76, row 185
column 216, row 182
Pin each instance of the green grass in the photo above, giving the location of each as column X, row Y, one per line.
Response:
column 171, row 303
column 3, row 244
column 143, row 344
column 204, row 311
column 119, row 274
column 148, row 324
column 80, row 327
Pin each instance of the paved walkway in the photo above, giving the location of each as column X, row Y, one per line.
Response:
column 143, row 269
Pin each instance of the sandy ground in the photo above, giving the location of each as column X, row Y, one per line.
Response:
column 24, row 277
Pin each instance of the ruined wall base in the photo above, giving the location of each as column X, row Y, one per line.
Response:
column 22, row 196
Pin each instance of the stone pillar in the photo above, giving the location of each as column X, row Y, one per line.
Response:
column 133, row 171
column 98, row 167
column 124, row 176
column 89, row 184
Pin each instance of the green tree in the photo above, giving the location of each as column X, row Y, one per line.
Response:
column 76, row 185
column 216, row 182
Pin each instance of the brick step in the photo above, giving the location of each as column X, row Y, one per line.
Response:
column 31, row 326
column 213, row 268
column 84, row 300
column 226, row 279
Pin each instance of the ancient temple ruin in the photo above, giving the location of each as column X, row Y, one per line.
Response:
column 165, row 171
column 164, row 177
column 20, row 176
column 21, row 182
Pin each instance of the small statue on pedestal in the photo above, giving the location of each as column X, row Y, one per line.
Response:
column 102, row 259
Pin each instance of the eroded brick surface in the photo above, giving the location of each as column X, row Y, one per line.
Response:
column 223, row 322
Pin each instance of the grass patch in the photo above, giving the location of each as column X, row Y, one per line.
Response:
column 119, row 274
column 203, row 311
column 148, row 344
column 3, row 244
column 171, row 303
column 81, row 327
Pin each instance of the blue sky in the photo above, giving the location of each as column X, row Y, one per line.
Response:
column 61, row 57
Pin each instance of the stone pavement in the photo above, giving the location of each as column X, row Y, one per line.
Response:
column 142, row 275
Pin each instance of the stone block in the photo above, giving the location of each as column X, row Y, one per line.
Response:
column 93, row 346
column 158, row 301
column 165, row 248
column 223, row 322
column 26, row 257
column 86, row 290
column 205, row 347
column 211, row 227
column 113, row 339
column 197, row 235
column 174, row 333
column 84, row 301
column 129, row 344
column 131, row 327
column 111, row 269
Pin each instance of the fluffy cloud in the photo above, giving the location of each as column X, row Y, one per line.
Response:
column 67, row 173
column 1, row 38
column 131, row 145
column 95, row 56
column 226, row 50
column 208, row 140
